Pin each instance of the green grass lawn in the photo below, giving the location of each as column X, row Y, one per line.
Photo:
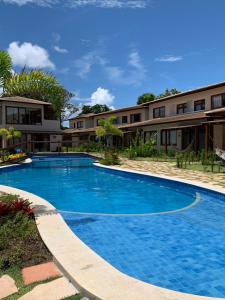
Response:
column 208, row 168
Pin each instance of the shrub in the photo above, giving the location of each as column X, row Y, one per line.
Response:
column 16, row 156
column 110, row 158
column 11, row 204
column 15, row 230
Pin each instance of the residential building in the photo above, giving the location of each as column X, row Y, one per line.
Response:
column 41, row 130
column 192, row 119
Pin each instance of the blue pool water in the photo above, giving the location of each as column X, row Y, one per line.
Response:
column 183, row 251
column 79, row 187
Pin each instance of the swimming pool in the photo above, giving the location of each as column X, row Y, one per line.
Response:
column 183, row 251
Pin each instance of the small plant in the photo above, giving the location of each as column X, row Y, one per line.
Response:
column 11, row 204
column 110, row 158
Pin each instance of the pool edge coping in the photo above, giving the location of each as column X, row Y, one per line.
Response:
column 87, row 269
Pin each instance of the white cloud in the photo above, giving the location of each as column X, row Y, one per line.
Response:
column 56, row 37
column 33, row 56
column 110, row 3
column 84, row 64
column 169, row 58
column 133, row 75
column 25, row 2
column 82, row 3
column 101, row 96
column 60, row 50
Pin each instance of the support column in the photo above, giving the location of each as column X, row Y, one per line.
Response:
column 206, row 140
column 196, row 141
column 166, row 146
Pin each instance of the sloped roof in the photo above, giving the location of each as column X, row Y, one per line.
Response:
column 200, row 89
column 24, row 100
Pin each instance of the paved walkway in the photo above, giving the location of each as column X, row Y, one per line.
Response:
column 56, row 289
column 170, row 169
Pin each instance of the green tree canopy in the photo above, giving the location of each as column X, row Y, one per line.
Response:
column 168, row 92
column 35, row 84
column 96, row 109
column 147, row 97
column 5, row 68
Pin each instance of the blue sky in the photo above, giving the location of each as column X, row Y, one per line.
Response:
column 112, row 51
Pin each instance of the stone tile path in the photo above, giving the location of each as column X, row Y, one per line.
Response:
column 170, row 169
column 7, row 286
column 54, row 290
column 40, row 272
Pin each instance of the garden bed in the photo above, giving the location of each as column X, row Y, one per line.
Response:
column 20, row 242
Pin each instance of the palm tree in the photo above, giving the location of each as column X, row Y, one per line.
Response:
column 108, row 130
column 36, row 84
column 5, row 68
column 10, row 134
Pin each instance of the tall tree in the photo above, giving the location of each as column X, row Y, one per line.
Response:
column 95, row 109
column 5, row 68
column 36, row 84
column 147, row 97
column 168, row 92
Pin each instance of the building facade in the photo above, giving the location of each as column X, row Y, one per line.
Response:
column 194, row 119
column 41, row 130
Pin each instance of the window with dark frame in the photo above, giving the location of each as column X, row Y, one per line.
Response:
column 80, row 124
column 124, row 119
column 181, row 108
column 218, row 101
column 98, row 121
column 115, row 121
column 23, row 115
column 135, row 118
column 159, row 112
column 49, row 113
column 171, row 137
column 150, row 135
column 199, row 105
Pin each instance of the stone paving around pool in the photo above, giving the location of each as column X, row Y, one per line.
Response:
column 55, row 289
column 170, row 169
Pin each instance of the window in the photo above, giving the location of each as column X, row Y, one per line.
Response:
column 80, row 124
column 34, row 115
column 83, row 137
column 181, row 108
column 74, row 125
column 159, row 112
column 135, row 118
column 23, row 115
column 171, row 137
column 12, row 115
column 98, row 121
column 124, row 119
column 115, row 121
column 218, row 101
column 199, row 105
column 49, row 113
column 150, row 135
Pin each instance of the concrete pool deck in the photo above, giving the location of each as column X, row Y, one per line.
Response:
column 91, row 274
